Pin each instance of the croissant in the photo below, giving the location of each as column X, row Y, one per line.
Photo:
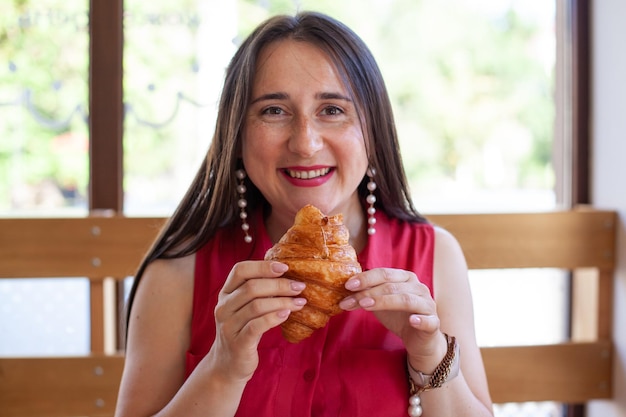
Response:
column 317, row 251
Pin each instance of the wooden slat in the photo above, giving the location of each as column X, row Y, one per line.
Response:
column 569, row 240
column 96, row 315
column 569, row 373
column 78, row 247
column 605, row 304
column 100, row 247
column 59, row 387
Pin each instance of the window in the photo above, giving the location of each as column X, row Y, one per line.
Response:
column 44, row 163
column 477, row 87
column 43, row 97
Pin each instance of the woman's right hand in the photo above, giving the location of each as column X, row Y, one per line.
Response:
column 253, row 300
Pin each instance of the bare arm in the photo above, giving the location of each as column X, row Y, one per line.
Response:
column 468, row 393
column 404, row 305
column 153, row 382
column 158, row 338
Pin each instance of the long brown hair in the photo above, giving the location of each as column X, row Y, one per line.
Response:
column 211, row 201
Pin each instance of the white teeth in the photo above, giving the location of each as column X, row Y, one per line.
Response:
column 307, row 175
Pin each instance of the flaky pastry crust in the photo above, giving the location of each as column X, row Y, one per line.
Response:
column 318, row 253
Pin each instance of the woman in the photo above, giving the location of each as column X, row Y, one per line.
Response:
column 304, row 118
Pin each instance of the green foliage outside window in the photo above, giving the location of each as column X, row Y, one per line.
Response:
column 472, row 90
column 43, row 100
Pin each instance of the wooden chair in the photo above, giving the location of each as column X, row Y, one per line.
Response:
column 108, row 249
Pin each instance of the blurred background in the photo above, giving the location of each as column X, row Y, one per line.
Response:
column 473, row 85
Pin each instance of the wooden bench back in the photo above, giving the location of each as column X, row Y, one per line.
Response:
column 109, row 249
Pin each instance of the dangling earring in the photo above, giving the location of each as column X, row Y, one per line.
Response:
column 371, row 199
column 243, row 203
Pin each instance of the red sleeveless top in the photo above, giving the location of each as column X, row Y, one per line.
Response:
column 352, row 367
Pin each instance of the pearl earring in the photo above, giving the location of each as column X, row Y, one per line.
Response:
column 371, row 199
column 243, row 203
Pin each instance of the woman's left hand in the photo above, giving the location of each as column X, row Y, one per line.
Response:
column 402, row 304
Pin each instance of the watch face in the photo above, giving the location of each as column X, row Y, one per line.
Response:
column 419, row 378
column 446, row 370
column 423, row 379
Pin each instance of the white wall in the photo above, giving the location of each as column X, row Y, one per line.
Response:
column 609, row 167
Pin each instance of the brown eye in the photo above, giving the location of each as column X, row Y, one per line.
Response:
column 273, row 111
column 332, row 111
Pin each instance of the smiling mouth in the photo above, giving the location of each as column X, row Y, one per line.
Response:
column 307, row 175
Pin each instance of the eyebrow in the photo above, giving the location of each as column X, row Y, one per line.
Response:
column 284, row 96
column 270, row 96
column 332, row 96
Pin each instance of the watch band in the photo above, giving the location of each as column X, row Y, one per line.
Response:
column 447, row 369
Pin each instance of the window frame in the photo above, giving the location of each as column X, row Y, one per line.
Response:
column 106, row 109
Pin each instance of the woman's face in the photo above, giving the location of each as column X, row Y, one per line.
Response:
column 302, row 139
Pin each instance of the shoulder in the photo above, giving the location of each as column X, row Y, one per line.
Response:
column 174, row 276
column 445, row 243
column 165, row 282
column 450, row 267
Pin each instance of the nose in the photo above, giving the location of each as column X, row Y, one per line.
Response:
column 305, row 139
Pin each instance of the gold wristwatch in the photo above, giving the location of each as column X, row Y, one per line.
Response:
column 445, row 371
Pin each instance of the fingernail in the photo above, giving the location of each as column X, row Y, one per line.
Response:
column 347, row 303
column 278, row 267
column 353, row 284
column 283, row 313
column 299, row 301
column 366, row 302
column 297, row 286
